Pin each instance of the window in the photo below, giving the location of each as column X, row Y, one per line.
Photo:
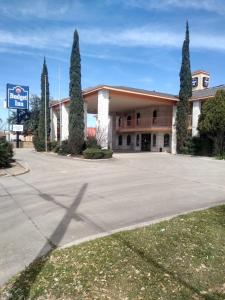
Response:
column 138, row 118
column 128, row 120
column 120, row 121
column 154, row 116
column 138, row 140
column 154, row 140
column 128, row 140
column 166, row 140
column 120, row 140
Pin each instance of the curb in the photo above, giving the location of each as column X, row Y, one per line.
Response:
column 135, row 226
column 23, row 165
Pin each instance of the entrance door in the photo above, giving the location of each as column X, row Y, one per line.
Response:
column 146, row 142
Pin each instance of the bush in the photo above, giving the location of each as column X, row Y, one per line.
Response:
column 53, row 146
column 107, row 153
column 221, row 156
column 38, row 144
column 201, row 145
column 64, row 148
column 6, row 154
column 96, row 153
column 92, row 143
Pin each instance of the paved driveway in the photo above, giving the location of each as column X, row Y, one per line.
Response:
column 61, row 200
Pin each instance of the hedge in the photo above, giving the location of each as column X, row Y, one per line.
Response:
column 94, row 153
column 6, row 154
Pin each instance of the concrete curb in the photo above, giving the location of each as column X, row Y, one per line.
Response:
column 76, row 158
column 135, row 226
column 24, row 169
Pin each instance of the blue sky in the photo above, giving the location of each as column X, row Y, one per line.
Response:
column 135, row 43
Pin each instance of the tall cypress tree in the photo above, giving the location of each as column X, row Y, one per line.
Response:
column 184, row 94
column 43, row 107
column 76, row 114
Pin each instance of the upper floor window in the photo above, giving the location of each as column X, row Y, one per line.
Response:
column 166, row 140
column 129, row 120
column 154, row 116
column 154, row 140
column 120, row 140
column 138, row 118
column 128, row 140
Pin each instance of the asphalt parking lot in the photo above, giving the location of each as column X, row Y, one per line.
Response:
column 62, row 200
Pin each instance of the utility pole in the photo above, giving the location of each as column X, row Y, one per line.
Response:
column 60, row 106
column 46, row 134
column 17, row 133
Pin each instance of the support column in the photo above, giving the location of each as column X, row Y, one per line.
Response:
column 196, row 111
column 174, row 131
column 85, row 120
column 103, row 118
column 65, row 122
column 53, row 125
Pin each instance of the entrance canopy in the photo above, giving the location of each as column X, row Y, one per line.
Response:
column 122, row 99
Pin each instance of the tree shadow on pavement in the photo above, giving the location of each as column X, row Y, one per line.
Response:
column 20, row 289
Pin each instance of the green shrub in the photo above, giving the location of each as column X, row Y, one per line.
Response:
column 6, row 154
column 53, row 145
column 64, row 148
column 38, row 144
column 107, row 153
column 96, row 153
column 92, row 143
column 221, row 157
column 199, row 145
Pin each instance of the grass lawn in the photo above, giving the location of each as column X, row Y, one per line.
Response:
column 183, row 258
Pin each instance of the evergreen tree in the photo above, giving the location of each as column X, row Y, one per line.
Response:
column 184, row 95
column 76, row 114
column 212, row 121
column 43, row 107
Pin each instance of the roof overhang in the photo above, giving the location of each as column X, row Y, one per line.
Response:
column 121, row 100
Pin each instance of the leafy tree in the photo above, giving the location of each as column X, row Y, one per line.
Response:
column 184, row 94
column 212, row 121
column 76, row 114
column 41, row 126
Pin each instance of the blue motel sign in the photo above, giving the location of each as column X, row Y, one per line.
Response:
column 17, row 96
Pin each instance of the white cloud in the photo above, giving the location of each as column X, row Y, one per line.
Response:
column 215, row 6
column 43, row 9
column 148, row 36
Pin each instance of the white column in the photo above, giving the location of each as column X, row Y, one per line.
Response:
column 174, row 132
column 54, row 124
column 103, row 118
column 196, row 111
column 65, row 122
column 85, row 120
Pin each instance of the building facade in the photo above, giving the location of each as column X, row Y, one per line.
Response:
column 130, row 119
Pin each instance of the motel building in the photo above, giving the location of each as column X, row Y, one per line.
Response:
column 130, row 119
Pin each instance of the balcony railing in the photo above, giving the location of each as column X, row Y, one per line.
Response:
column 145, row 123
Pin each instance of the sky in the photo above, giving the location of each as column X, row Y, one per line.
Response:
column 134, row 43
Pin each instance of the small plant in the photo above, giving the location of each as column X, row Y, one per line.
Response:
column 96, row 153
column 64, row 148
column 221, row 156
column 6, row 154
column 92, row 143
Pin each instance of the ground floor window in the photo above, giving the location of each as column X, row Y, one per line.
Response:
column 166, row 140
column 138, row 140
column 128, row 140
column 154, row 140
column 120, row 140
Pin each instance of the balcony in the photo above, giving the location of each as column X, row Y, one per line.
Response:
column 145, row 124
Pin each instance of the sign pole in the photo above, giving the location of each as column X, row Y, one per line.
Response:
column 17, row 133
column 46, row 141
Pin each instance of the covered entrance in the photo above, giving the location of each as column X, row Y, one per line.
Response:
column 146, row 142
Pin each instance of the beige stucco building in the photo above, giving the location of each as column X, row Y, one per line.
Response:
column 130, row 119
